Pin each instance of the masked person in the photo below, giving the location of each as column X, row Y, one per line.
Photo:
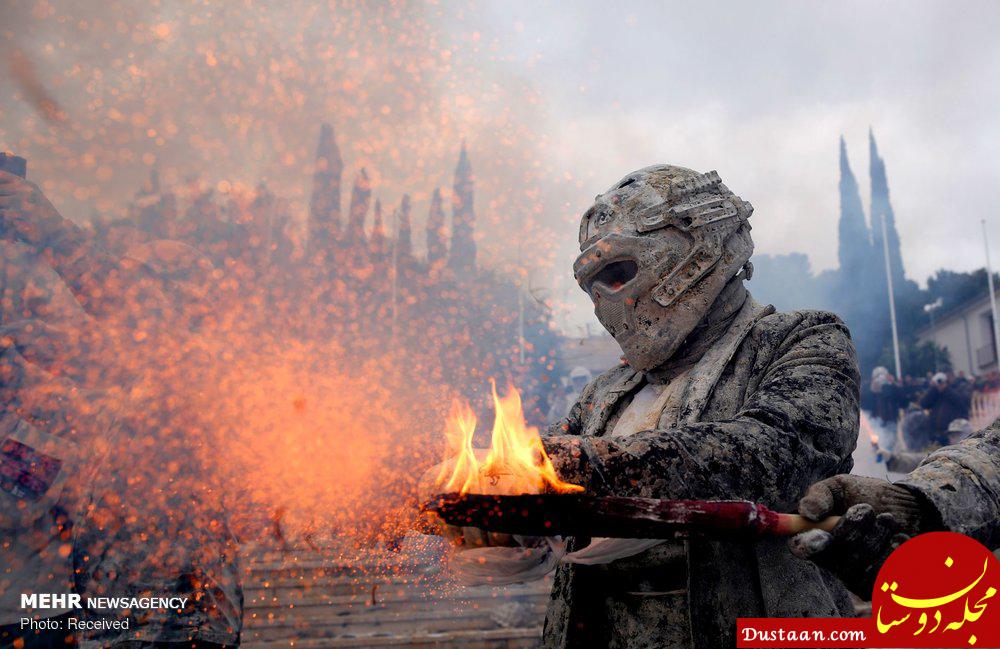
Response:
column 126, row 543
column 956, row 488
column 51, row 440
column 719, row 398
column 53, row 437
column 944, row 403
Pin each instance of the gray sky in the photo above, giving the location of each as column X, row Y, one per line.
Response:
column 555, row 100
column 761, row 91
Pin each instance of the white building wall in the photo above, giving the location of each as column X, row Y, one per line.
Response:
column 968, row 336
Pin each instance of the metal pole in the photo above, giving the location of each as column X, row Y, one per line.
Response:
column 520, row 323
column 892, row 300
column 395, row 270
column 993, row 299
column 520, row 303
column 934, row 350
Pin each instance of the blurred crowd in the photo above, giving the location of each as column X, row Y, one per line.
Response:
column 926, row 412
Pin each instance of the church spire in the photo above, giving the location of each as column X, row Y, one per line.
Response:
column 854, row 245
column 881, row 208
column 463, row 246
column 437, row 246
column 361, row 195
column 324, row 203
column 378, row 237
column 404, row 229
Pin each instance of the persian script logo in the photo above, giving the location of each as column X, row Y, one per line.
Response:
column 939, row 590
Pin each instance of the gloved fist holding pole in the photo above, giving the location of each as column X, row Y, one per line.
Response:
column 876, row 518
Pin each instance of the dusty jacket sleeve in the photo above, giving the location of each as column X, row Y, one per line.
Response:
column 797, row 425
column 962, row 482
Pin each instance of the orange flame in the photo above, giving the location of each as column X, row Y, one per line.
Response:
column 516, row 462
column 866, row 427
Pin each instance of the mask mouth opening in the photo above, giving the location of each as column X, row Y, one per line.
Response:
column 614, row 275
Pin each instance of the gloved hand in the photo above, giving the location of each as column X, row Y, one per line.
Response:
column 877, row 517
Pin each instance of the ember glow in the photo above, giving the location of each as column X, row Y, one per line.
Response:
column 516, row 462
column 315, row 198
column 284, row 242
column 867, row 429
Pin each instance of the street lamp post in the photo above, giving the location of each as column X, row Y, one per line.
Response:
column 930, row 309
column 892, row 300
column 993, row 299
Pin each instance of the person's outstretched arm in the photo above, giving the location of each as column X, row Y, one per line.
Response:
column 798, row 426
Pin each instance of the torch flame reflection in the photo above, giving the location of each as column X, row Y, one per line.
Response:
column 516, row 462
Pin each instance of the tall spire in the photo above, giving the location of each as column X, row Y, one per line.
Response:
column 262, row 207
column 324, row 204
column 404, row 229
column 153, row 184
column 361, row 195
column 378, row 237
column 437, row 246
column 882, row 208
column 854, row 245
column 463, row 216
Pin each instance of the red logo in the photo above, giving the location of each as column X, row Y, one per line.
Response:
column 939, row 590
column 936, row 590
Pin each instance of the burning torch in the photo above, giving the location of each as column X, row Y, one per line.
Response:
column 616, row 516
column 534, row 501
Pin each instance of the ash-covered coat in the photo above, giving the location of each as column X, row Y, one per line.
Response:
column 762, row 421
column 962, row 482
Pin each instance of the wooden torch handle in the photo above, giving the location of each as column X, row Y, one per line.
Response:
column 791, row 524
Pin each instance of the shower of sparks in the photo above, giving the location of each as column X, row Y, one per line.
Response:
column 228, row 369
